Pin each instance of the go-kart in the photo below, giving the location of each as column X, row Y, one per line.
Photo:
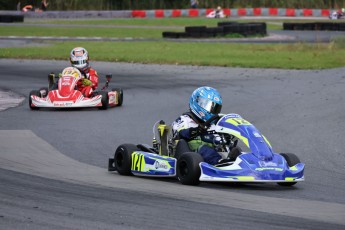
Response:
column 62, row 92
column 172, row 158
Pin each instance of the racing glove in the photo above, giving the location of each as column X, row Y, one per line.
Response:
column 197, row 131
column 86, row 82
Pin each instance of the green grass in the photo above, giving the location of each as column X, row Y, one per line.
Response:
column 287, row 56
column 82, row 32
column 161, row 22
column 291, row 56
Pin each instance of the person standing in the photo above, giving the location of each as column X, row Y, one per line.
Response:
column 44, row 5
column 194, row 4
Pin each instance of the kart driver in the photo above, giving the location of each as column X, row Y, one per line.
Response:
column 204, row 103
column 79, row 59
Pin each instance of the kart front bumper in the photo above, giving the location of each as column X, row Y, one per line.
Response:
column 83, row 103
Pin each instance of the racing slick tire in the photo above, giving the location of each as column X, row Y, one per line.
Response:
column 34, row 93
column 291, row 160
column 123, row 158
column 120, row 96
column 188, row 169
column 181, row 147
column 105, row 100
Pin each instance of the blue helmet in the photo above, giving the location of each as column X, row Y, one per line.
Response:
column 205, row 102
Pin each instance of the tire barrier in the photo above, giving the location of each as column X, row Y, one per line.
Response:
column 330, row 26
column 11, row 18
column 223, row 29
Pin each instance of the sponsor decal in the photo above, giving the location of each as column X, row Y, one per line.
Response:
column 233, row 115
column 112, row 99
column 216, row 98
column 160, row 164
column 201, row 113
column 78, row 53
column 267, row 164
column 65, row 83
column 272, row 169
column 256, row 134
column 63, row 103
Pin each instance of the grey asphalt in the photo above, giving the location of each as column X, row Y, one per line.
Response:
column 53, row 162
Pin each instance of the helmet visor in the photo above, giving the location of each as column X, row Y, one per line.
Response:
column 79, row 62
column 209, row 106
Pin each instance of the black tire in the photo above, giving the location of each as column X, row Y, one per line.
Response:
column 188, row 169
column 123, row 158
column 105, row 100
column 120, row 96
column 234, row 153
column 34, row 93
column 291, row 160
column 181, row 147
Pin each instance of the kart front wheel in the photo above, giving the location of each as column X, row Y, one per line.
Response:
column 123, row 158
column 104, row 100
column 188, row 169
column 291, row 160
column 33, row 93
column 119, row 96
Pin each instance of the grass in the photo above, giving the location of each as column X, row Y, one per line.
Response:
column 154, row 22
column 82, row 32
column 287, row 56
column 290, row 56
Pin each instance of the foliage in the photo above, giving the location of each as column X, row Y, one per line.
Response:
column 170, row 4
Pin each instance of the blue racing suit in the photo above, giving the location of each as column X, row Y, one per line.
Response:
column 185, row 127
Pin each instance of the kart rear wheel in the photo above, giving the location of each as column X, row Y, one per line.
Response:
column 33, row 93
column 123, row 158
column 120, row 96
column 291, row 160
column 188, row 169
column 104, row 100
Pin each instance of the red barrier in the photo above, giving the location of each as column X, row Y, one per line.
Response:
column 307, row 12
column 159, row 13
column 273, row 11
column 227, row 12
column 325, row 13
column 193, row 13
column 242, row 12
column 257, row 11
column 138, row 13
column 176, row 13
column 209, row 11
column 290, row 12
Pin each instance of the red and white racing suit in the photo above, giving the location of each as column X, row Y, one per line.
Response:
column 91, row 75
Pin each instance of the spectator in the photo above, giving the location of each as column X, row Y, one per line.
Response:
column 44, row 5
column 18, row 6
column 194, row 4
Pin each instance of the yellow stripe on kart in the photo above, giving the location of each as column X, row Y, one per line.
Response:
column 242, row 178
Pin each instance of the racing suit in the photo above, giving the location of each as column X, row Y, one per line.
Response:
column 187, row 127
column 89, row 83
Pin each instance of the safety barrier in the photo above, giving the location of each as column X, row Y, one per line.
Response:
column 223, row 29
column 282, row 12
column 330, row 26
column 11, row 18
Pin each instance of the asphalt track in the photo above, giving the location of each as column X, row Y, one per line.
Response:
column 53, row 162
